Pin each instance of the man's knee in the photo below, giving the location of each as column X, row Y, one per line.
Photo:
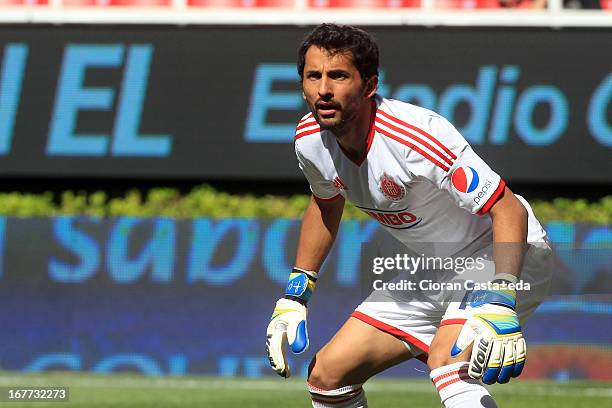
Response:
column 323, row 374
column 440, row 349
column 440, row 357
column 437, row 360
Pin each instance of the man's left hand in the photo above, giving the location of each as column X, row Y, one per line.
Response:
column 499, row 350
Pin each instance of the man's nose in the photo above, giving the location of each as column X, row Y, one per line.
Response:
column 325, row 89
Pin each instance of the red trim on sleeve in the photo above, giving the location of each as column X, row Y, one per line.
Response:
column 391, row 330
column 413, row 147
column 421, row 131
column 415, row 138
column 306, row 124
column 306, row 117
column 493, row 199
column 452, row 321
column 301, row 134
column 334, row 198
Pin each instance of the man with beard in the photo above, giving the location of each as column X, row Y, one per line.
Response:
column 413, row 172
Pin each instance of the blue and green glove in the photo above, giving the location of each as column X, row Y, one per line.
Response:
column 493, row 327
column 288, row 321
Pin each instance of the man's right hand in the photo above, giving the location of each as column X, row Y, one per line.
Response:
column 288, row 322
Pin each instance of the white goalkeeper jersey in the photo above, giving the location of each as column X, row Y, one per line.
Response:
column 419, row 178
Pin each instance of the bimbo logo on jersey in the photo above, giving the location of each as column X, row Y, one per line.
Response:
column 390, row 189
column 401, row 219
column 465, row 179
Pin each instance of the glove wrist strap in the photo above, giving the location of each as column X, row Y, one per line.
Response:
column 300, row 286
column 505, row 277
column 500, row 293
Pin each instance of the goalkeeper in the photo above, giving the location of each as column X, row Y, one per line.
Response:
column 413, row 172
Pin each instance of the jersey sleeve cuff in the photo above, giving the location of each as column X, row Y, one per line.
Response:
column 493, row 199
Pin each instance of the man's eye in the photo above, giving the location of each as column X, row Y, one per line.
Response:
column 313, row 76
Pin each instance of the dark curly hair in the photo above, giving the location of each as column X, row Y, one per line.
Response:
column 340, row 39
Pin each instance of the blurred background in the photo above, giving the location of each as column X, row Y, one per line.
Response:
column 150, row 197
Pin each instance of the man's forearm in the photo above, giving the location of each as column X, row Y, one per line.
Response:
column 319, row 228
column 509, row 234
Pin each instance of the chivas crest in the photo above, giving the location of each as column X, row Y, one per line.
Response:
column 390, row 189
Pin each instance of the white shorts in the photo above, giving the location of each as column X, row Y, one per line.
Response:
column 415, row 317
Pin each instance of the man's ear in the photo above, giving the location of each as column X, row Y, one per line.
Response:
column 303, row 95
column 371, row 86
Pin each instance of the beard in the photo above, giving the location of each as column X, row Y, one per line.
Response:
column 346, row 114
column 340, row 123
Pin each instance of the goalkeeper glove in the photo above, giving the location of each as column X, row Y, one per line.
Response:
column 499, row 350
column 288, row 321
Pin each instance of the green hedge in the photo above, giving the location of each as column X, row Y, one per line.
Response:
column 205, row 201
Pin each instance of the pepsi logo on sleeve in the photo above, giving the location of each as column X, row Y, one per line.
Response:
column 465, row 179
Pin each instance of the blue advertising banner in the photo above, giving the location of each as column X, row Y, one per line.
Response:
column 180, row 102
column 174, row 297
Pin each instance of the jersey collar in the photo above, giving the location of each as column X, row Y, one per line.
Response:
column 370, row 136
